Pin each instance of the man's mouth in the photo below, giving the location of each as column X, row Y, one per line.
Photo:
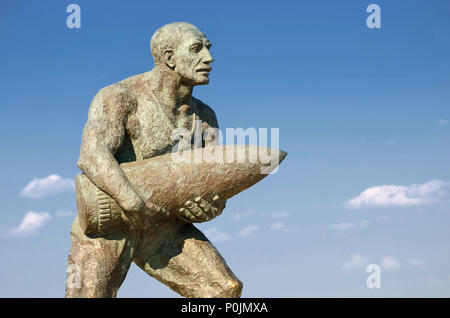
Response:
column 205, row 70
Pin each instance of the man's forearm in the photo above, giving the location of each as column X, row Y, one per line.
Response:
column 104, row 171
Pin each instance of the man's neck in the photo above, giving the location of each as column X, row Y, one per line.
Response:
column 169, row 90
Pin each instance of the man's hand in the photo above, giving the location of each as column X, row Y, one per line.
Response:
column 137, row 205
column 137, row 213
column 133, row 204
column 200, row 210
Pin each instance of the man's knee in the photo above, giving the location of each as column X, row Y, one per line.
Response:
column 233, row 289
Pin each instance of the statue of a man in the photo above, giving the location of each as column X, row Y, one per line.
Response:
column 134, row 120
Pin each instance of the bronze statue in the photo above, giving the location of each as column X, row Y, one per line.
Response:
column 134, row 203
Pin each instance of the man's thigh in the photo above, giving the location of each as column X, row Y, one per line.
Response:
column 181, row 257
column 97, row 266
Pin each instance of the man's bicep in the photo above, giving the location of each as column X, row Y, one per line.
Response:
column 107, row 116
column 100, row 131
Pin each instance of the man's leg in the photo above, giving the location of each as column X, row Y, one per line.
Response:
column 181, row 257
column 97, row 266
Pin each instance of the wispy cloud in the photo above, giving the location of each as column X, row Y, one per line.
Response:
column 415, row 262
column 279, row 214
column 31, row 222
column 278, row 226
column 349, row 225
column 399, row 195
column 389, row 263
column 248, row 231
column 51, row 185
column 357, row 262
column 237, row 216
column 215, row 235
column 442, row 122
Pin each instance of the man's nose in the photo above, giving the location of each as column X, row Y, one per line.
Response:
column 207, row 57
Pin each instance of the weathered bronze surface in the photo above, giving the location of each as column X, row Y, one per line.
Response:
column 135, row 202
column 170, row 183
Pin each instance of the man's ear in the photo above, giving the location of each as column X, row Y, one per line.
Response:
column 168, row 59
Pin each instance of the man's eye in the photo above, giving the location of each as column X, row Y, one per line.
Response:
column 196, row 48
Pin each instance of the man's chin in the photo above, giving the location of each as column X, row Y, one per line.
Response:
column 197, row 80
column 202, row 81
column 205, row 82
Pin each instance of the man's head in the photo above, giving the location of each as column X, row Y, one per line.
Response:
column 185, row 49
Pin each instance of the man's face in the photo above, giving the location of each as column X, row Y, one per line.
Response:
column 192, row 58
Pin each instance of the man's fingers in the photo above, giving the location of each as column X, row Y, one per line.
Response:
column 219, row 203
column 202, row 210
column 203, row 204
column 197, row 211
column 186, row 215
column 210, row 210
column 193, row 209
column 189, row 204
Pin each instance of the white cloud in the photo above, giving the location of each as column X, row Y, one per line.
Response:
column 215, row 235
column 248, row 231
column 282, row 227
column 389, row 263
column 64, row 213
column 442, row 122
column 31, row 222
column 357, row 262
column 51, row 185
column 398, row 195
column 349, row 225
column 279, row 214
column 239, row 216
column 278, row 226
column 415, row 262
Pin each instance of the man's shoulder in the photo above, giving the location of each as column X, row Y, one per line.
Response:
column 120, row 89
column 119, row 94
column 125, row 88
column 111, row 95
column 117, row 98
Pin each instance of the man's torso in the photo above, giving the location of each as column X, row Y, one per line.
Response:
column 150, row 127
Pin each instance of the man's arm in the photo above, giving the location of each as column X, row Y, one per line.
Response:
column 199, row 209
column 103, row 135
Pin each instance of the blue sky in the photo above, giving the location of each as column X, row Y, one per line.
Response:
column 357, row 108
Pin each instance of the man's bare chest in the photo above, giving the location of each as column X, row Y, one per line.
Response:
column 153, row 130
